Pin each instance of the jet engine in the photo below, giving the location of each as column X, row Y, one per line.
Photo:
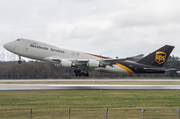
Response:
column 94, row 64
column 65, row 63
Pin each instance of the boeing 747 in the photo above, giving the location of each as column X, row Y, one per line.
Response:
column 84, row 62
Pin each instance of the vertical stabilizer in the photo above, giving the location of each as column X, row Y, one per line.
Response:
column 158, row 57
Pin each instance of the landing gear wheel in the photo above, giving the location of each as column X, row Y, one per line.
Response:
column 86, row 74
column 80, row 73
column 19, row 62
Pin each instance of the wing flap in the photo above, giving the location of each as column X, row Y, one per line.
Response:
column 113, row 61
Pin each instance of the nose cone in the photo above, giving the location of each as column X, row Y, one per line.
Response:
column 6, row 46
column 9, row 46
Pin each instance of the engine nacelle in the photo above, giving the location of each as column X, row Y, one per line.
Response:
column 65, row 63
column 93, row 63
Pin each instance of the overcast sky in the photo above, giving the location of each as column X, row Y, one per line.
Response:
column 108, row 27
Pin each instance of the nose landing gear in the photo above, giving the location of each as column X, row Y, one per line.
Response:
column 78, row 72
column 19, row 61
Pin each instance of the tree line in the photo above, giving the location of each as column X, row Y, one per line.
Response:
column 45, row 70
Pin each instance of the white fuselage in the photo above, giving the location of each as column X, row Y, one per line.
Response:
column 45, row 52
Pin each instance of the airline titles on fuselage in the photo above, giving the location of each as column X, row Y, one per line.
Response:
column 57, row 50
column 45, row 48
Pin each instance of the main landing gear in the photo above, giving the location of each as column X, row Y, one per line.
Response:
column 78, row 72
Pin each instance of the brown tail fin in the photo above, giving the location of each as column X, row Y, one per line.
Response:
column 158, row 57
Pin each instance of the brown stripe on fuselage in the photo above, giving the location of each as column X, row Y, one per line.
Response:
column 125, row 68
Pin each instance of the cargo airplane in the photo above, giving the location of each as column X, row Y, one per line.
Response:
column 84, row 62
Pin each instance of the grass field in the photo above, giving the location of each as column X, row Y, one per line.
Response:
column 90, row 104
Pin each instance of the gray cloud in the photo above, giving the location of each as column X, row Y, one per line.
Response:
column 112, row 28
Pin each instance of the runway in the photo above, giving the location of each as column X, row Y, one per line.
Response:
column 94, row 80
column 32, row 87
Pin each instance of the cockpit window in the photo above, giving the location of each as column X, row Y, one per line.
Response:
column 18, row 40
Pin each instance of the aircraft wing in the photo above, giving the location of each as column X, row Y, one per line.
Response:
column 84, row 62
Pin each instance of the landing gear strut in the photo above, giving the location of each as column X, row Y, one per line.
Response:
column 19, row 61
column 78, row 72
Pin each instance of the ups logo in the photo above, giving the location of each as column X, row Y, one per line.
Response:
column 160, row 57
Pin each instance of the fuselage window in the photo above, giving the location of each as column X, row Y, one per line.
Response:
column 18, row 40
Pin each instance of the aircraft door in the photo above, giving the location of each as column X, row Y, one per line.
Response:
column 26, row 49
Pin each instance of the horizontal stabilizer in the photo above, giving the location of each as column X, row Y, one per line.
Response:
column 160, row 69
